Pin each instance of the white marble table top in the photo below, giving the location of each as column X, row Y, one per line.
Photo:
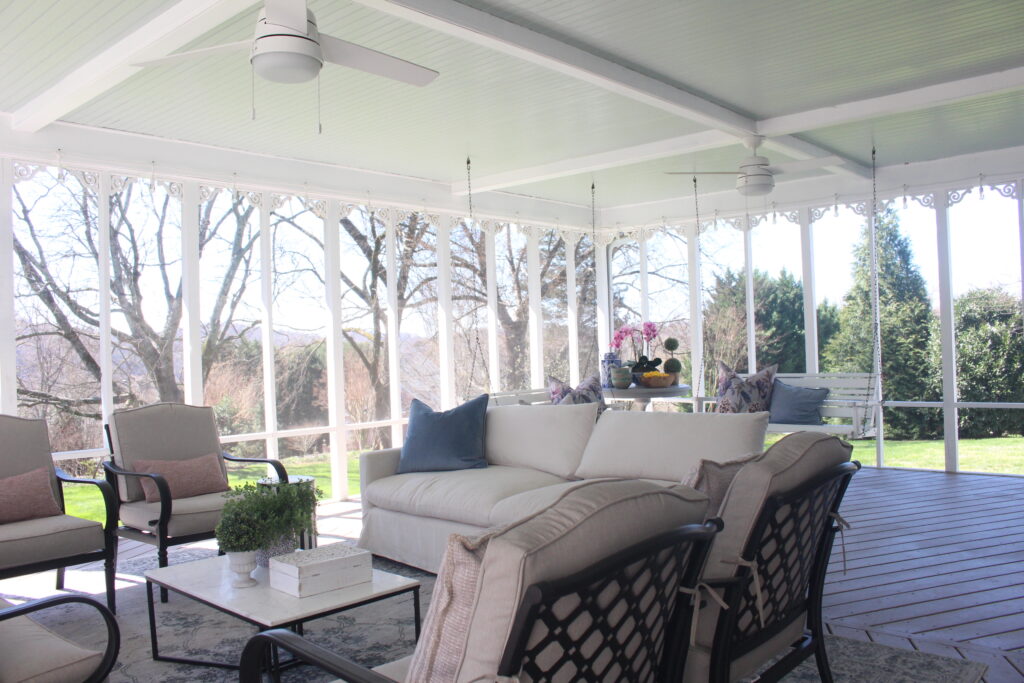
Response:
column 209, row 581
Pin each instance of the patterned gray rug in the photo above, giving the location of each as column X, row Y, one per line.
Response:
column 383, row 632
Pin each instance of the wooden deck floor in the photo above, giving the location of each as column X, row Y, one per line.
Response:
column 934, row 562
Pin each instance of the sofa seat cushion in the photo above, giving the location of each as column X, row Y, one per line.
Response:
column 668, row 445
column 48, row 538
column 29, row 652
column 542, row 437
column 194, row 515
column 460, row 496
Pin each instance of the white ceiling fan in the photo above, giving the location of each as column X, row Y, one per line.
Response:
column 756, row 177
column 288, row 48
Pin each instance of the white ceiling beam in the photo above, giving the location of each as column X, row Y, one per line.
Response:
column 801, row 149
column 478, row 27
column 896, row 103
column 660, row 149
column 177, row 26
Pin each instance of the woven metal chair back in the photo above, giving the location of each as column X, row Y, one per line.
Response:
column 790, row 546
column 623, row 619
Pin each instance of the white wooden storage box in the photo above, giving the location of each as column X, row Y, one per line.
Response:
column 327, row 568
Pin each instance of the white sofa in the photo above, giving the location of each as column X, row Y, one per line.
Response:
column 534, row 454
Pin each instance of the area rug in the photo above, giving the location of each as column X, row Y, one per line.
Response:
column 382, row 632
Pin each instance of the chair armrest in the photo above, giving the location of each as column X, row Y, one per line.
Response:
column 282, row 473
column 113, row 631
column 161, row 486
column 106, row 489
column 254, row 656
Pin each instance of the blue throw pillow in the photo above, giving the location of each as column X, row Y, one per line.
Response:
column 796, row 405
column 449, row 440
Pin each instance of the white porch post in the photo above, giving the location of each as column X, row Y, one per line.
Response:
column 748, row 261
column 266, row 247
column 570, row 239
column 810, row 297
column 536, row 320
column 645, row 302
column 1019, row 193
column 335, row 352
column 947, row 333
column 491, row 256
column 696, row 315
column 103, row 272
column 192, row 345
column 604, row 314
column 8, row 347
column 394, row 376
column 445, row 321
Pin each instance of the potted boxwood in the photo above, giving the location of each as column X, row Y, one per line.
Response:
column 673, row 366
column 291, row 509
column 244, row 528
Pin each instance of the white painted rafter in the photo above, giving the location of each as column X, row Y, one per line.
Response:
column 684, row 144
column 177, row 26
column 896, row 103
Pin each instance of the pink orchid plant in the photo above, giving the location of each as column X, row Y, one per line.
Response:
column 640, row 338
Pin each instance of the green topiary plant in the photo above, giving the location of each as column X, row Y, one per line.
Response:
column 255, row 517
column 244, row 524
column 671, row 344
column 673, row 365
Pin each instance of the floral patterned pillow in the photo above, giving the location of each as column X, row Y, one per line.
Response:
column 750, row 395
column 588, row 391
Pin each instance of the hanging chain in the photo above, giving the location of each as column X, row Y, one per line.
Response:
column 696, row 206
column 593, row 214
column 469, row 187
column 876, row 321
column 478, row 347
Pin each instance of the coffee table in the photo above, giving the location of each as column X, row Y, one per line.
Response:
column 209, row 582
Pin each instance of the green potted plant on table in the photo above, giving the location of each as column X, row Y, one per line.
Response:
column 292, row 511
column 244, row 528
column 673, row 365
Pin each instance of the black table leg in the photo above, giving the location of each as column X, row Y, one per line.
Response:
column 416, row 610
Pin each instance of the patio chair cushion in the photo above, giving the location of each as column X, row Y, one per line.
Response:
column 185, row 478
column 30, row 652
column 483, row 579
column 793, row 460
column 445, row 440
column 750, row 395
column 194, row 515
column 714, row 478
column 668, row 446
column 542, row 437
column 161, row 431
column 47, row 538
column 27, row 496
column 460, row 496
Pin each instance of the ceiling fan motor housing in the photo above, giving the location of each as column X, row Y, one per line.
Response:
column 284, row 55
column 755, row 179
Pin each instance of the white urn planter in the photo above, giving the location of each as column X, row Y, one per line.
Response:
column 242, row 564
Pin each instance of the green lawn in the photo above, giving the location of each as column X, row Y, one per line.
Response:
column 82, row 500
column 1002, row 456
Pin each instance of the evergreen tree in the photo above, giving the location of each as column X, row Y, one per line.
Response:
column 906, row 328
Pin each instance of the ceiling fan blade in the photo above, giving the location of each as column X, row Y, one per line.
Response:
column 202, row 52
column 338, row 51
column 288, row 13
column 805, row 164
column 702, row 173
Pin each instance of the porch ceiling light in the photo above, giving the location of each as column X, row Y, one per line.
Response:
column 288, row 65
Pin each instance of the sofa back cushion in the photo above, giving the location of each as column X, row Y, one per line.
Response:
column 483, row 580
column 668, row 445
column 542, row 437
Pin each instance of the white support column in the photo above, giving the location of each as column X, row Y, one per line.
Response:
column 535, row 323
column 947, row 333
column 748, row 261
column 394, row 365
column 604, row 313
column 8, row 347
column 1019, row 191
column 266, row 247
column 810, row 296
column 645, row 301
column 335, row 352
column 570, row 239
column 445, row 321
column 491, row 253
column 696, row 314
column 103, row 272
column 192, row 345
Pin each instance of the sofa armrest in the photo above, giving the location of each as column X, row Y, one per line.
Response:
column 374, row 465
